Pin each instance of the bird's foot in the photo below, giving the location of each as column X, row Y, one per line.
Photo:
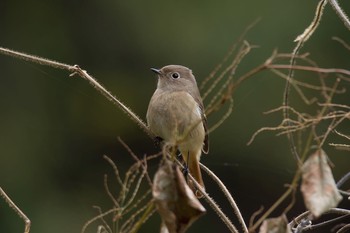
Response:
column 157, row 141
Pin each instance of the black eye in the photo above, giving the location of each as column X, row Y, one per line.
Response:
column 175, row 75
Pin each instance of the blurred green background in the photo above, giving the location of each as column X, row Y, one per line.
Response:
column 54, row 129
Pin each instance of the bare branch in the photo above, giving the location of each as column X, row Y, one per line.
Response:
column 82, row 73
column 301, row 39
column 228, row 196
column 310, row 68
column 18, row 211
column 211, row 202
column 340, row 13
column 342, row 42
column 105, row 183
column 98, row 217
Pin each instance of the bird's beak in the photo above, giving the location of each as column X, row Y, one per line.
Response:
column 155, row 70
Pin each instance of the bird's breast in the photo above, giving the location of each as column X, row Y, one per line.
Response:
column 175, row 116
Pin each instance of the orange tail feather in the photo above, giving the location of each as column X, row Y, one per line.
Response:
column 195, row 171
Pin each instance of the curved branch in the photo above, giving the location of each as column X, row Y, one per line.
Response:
column 75, row 69
column 228, row 196
column 340, row 13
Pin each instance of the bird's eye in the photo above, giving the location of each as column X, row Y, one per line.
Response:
column 175, row 75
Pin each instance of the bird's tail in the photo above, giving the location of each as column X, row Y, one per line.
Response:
column 192, row 160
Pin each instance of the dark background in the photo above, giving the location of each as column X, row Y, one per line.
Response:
column 54, row 129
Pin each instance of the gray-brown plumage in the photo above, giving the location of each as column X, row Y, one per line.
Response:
column 176, row 114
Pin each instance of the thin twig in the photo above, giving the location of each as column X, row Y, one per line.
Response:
column 36, row 59
column 215, row 104
column 106, row 226
column 115, row 169
column 306, row 214
column 144, row 162
column 310, row 68
column 211, row 202
column 344, row 229
column 105, row 182
column 343, row 180
column 290, row 189
column 133, row 172
column 301, row 39
column 224, row 117
column 228, row 196
column 18, row 211
column 97, row 218
column 254, row 215
column 82, row 73
column 149, row 210
column 229, row 53
column 138, row 201
column 137, row 187
column 341, row 134
column 340, row 13
column 340, row 146
column 342, row 42
column 271, row 209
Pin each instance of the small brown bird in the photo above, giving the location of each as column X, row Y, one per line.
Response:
column 176, row 115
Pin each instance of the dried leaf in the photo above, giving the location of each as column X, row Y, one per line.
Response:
column 275, row 225
column 175, row 201
column 163, row 228
column 318, row 186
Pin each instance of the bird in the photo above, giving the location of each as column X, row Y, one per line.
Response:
column 176, row 115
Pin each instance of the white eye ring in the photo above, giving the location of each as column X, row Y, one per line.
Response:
column 175, row 75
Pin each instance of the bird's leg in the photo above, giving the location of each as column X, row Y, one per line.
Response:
column 157, row 141
column 185, row 170
column 180, row 158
